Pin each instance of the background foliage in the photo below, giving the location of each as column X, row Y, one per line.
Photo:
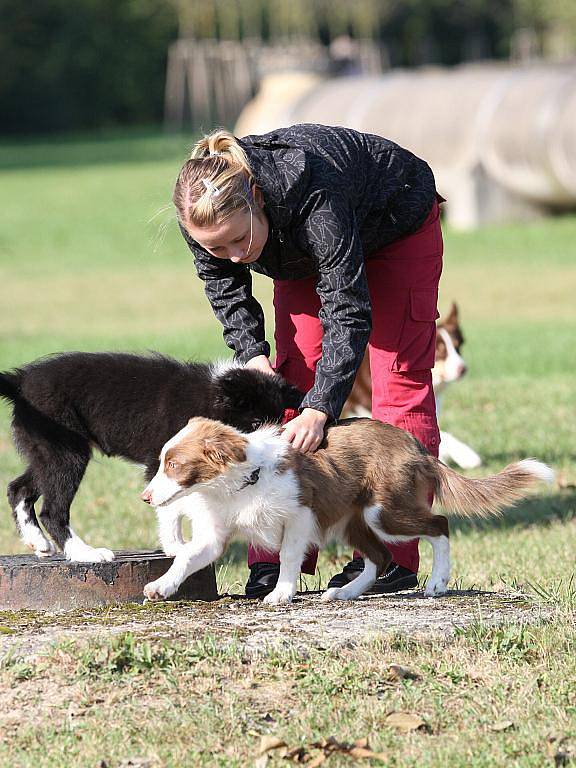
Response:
column 93, row 64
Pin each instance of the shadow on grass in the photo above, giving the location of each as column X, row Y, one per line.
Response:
column 537, row 510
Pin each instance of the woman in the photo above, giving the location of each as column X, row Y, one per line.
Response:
column 347, row 225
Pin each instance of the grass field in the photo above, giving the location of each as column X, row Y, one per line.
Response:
column 90, row 259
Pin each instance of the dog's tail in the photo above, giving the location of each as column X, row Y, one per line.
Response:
column 10, row 386
column 37, row 424
column 466, row 496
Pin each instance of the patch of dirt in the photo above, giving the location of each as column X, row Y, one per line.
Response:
column 306, row 623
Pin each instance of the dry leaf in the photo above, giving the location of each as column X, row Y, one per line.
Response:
column 358, row 750
column 296, row 754
column 398, row 672
column 502, row 725
column 318, row 760
column 405, row 721
column 269, row 743
column 362, row 753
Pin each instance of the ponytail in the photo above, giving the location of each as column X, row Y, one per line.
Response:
column 214, row 183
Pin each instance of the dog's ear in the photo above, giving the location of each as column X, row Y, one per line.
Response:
column 223, row 450
column 451, row 319
column 291, row 397
column 237, row 388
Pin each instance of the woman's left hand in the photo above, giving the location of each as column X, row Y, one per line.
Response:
column 306, row 431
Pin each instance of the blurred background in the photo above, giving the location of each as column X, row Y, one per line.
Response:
column 485, row 91
column 100, row 101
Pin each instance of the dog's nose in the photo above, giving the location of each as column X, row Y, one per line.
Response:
column 462, row 370
column 146, row 496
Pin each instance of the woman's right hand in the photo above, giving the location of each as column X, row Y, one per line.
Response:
column 261, row 363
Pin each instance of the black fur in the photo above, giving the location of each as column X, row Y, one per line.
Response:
column 124, row 405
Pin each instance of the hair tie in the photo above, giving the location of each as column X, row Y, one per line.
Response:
column 216, row 154
column 211, row 187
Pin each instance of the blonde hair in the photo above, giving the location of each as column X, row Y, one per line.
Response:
column 214, row 183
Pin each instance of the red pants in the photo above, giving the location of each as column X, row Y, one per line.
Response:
column 403, row 282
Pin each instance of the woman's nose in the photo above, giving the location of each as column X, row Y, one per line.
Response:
column 237, row 255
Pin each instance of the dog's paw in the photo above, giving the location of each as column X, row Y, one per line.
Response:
column 38, row 543
column 279, row 596
column 106, row 555
column 330, row 595
column 436, row 587
column 88, row 554
column 101, row 555
column 337, row 593
column 42, row 547
column 154, row 591
column 48, row 549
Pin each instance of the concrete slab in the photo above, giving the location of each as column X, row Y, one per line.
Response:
column 55, row 584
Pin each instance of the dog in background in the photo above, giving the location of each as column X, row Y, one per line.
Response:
column 449, row 367
column 368, row 484
column 124, row 405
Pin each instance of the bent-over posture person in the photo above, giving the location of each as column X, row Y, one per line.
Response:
column 347, row 225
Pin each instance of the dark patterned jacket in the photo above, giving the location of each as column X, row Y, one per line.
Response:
column 333, row 197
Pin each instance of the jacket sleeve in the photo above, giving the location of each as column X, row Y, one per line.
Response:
column 228, row 288
column 330, row 234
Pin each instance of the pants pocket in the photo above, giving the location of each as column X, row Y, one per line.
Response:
column 417, row 344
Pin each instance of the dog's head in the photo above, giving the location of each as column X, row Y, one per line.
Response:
column 200, row 452
column 247, row 398
column 449, row 365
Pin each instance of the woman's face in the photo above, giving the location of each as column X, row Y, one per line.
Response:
column 240, row 239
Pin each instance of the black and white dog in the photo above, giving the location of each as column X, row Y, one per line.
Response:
column 124, row 405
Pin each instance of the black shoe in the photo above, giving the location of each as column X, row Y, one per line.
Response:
column 396, row 578
column 262, row 580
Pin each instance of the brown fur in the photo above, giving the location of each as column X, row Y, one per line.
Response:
column 361, row 463
column 360, row 397
column 489, row 496
column 204, row 453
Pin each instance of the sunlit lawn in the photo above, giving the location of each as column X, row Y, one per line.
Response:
column 90, row 258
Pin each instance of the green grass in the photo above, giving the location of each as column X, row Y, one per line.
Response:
column 90, row 258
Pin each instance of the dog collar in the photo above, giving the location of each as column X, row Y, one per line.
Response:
column 252, row 479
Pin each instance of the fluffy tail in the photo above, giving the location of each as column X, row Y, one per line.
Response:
column 10, row 386
column 466, row 496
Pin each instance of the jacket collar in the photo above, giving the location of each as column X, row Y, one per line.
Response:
column 281, row 171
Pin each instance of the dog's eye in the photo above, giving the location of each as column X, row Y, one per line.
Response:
column 171, row 464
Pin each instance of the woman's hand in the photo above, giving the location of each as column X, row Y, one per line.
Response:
column 261, row 363
column 306, row 431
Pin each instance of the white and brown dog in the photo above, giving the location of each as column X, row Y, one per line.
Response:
column 449, row 367
column 368, row 484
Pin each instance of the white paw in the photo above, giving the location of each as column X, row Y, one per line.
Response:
column 92, row 555
column 436, row 587
column 157, row 590
column 330, row 594
column 47, row 550
column 337, row 593
column 279, row 596
column 38, row 543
